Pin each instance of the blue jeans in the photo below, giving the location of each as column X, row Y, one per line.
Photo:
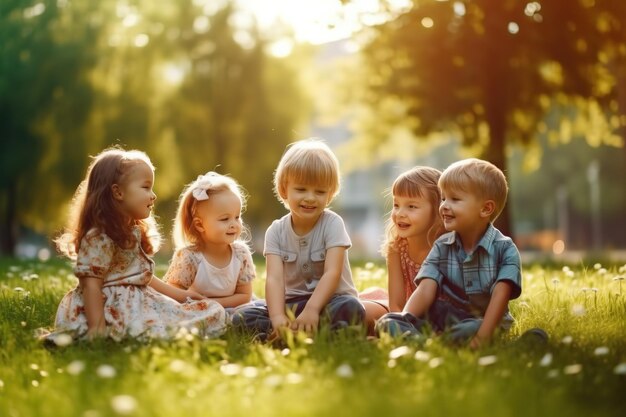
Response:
column 457, row 325
column 340, row 311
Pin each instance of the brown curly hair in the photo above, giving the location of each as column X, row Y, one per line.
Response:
column 93, row 205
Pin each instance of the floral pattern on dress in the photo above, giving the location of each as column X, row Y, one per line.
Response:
column 131, row 307
column 185, row 263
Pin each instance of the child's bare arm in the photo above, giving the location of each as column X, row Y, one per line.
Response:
column 422, row 298
column 242, row 295
column 308, row 320
column 177, row 294
column 397, row 298
column 275, row 292
column 495, row 310
column 94, row 306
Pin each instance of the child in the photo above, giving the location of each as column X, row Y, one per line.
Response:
column 111, row 235
column 308, row 272
column 210, row 258
column 471, row 273
column 411, row 230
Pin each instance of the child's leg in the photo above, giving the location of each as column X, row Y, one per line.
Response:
column 343, row 310
column 463, row 331
column 252, row 318
column 400, row 324
column 373, row 311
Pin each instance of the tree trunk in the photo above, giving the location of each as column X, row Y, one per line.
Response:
column 8, row 238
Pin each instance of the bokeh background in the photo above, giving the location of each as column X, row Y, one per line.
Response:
column 538, row 88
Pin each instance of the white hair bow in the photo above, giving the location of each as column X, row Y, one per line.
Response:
column 199, row 192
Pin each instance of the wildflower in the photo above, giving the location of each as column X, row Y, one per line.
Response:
column 546, row 360
column 250, row 372
column 123, row 404
column 294, row 378
column 285, row 352
column 487, row 360
column 435, row 362
column 75, row 367
column 566, row 269
column 399, row 352
column 230, row 369
column 567, row 340
column 178, row 366
column 572, row 369
column 422, row 356
column 391, row 363
column 601, row 351
column 35, row 383
column 62, row 340
column 369, row 265
column 273, row 380
column 344, row 371
column 597, row 266
column 578, row 310
column 106, row 371
column 618, row 370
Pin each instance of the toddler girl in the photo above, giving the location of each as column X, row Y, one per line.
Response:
column 412, row 227
column 111, row 236
column 210, row 256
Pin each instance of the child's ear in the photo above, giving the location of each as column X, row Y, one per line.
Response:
column 117, row 192
column 197, row 224
column 489, row 206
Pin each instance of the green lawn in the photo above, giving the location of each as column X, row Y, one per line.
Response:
column 581, row 372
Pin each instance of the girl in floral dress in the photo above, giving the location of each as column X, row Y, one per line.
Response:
column 211, row 258
column 412, row 227
column 111, row 236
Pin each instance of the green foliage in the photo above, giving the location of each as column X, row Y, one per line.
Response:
column 489, row 70
column 189, row 82
column 579, row 372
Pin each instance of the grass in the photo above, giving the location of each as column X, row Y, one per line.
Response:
column 580, row 372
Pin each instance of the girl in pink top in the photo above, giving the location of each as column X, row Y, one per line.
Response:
column 111, row 236
column 413, row 225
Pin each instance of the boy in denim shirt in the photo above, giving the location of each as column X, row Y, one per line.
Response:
column 471, row 273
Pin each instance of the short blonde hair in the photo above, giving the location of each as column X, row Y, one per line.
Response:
column 185, row 234
column 479, row 177
column 308, row 161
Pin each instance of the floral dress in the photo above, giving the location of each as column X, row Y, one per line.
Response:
column 132, row 309
column 409, row 270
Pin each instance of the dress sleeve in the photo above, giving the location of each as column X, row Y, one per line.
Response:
column 182, row 269
column 95, row 255
column 248, row 271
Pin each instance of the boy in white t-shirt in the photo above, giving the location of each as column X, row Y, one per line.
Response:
column 308, row 272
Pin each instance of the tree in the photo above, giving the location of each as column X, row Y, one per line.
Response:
column 44, row 99
column 489, row 70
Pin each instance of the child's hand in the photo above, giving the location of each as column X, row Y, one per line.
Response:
column 194, row 295
column 280, row 323
column 307, row 321
column 478, row 341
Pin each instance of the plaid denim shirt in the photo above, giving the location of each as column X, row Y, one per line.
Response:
column 467, row 280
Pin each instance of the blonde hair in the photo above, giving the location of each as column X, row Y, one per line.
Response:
column 479, row 177
column 308, row 161
column 93, row 205
column 419, row 182
column 185, row 234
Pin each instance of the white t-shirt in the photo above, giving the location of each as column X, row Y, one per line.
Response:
column 303, row 256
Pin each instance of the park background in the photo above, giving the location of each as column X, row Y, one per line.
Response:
column 538, row 88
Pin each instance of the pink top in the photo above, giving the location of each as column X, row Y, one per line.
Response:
column 409, row 268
